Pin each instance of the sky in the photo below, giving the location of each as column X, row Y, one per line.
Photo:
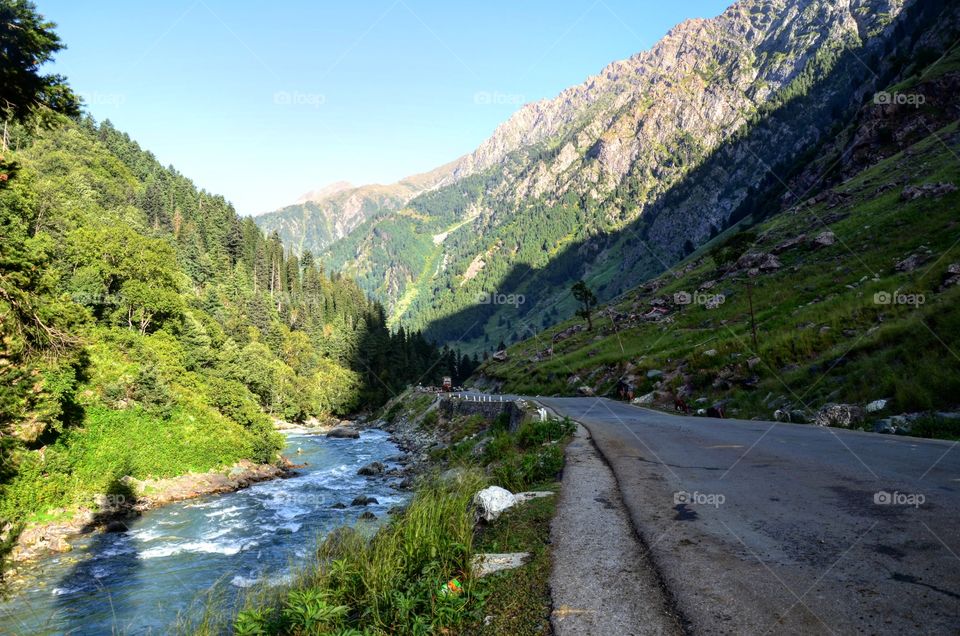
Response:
column 261, row 102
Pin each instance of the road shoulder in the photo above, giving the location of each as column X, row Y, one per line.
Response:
column 602, row 580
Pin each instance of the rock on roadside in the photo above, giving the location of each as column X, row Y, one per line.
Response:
column 490, row 503
column 840, row 415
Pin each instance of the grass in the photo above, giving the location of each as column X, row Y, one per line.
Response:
column 519, row 600
column 821, row 335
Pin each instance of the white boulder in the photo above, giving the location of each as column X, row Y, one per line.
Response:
column 490, row 502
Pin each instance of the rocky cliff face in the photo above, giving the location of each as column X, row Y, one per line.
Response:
column 617, row 178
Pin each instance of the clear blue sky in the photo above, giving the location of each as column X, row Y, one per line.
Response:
column 262, row 101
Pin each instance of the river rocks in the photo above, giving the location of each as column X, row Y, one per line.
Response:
column 39, row 539
column 344, row 432
column 364, row 500
column 373, row 469
column 841, row 415
column 367, row 516
column 116, row 526
column 338, row 506
column 490, row 503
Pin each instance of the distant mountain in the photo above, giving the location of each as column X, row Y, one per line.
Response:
column 620, row 177
column 323, row 216
column 322, row 193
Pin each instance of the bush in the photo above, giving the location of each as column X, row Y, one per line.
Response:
column 532, row 433
column 518, row 471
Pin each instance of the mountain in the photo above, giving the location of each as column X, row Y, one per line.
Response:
column 321, row 217
column 322, row 193
column 616, row 179
column 849, row 293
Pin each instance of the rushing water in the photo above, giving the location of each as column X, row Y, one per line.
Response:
column 137, row 581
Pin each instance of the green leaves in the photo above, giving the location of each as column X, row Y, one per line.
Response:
column 28, row 42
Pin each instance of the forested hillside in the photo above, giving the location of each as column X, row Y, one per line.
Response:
column 145, row 329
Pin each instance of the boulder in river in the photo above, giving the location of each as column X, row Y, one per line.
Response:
column 372, row 469
column 344, row 432
column 368, row 516
column 116, row 526
column 339, row 506
column 364, row 500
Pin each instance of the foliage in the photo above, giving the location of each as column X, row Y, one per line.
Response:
column 28, row 41
column 587, row 300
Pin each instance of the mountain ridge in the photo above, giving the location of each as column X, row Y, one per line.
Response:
column 599, row 166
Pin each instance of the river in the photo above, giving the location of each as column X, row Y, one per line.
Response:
column 138, row 581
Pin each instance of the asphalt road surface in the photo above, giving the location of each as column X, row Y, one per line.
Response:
column 759, row 527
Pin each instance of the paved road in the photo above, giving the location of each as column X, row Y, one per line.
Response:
column 758, row 527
